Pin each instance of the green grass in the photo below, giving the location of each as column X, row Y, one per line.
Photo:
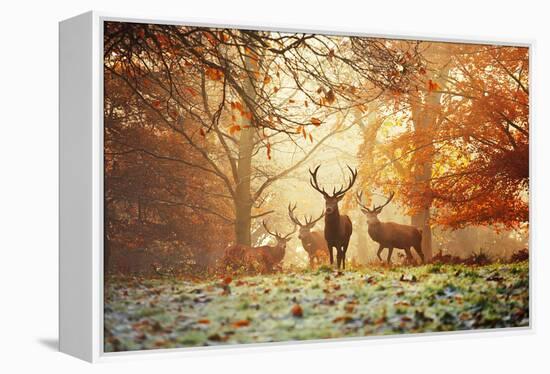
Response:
column 164, row 313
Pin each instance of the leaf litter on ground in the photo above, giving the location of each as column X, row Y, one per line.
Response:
column 168, row 313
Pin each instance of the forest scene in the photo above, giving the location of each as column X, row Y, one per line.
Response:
column 264, row 186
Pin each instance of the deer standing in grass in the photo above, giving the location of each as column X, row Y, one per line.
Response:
column 314, row 242
column 338, row 228
column 390, row 234
column 262, row 259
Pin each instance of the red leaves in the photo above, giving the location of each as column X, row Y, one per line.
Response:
column 241, row 323
column 214, row 74
column 233, row 129
column 163, row 40
column 190, row 91
column 237, row 106
column 433, row 86
column 297, row 311
column 330, row 97
column 315, row 121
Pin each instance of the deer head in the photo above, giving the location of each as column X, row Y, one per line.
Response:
column 372, row 214
column 332, row 200
column 305, row 227
column 281, row 239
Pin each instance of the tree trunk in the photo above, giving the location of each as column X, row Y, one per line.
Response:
column 243, row 199
column 426, row 117
column 369, row 128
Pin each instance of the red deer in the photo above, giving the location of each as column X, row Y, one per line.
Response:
column 262, row 259
column 390, row 234
column 338, row 228
column 314, row 242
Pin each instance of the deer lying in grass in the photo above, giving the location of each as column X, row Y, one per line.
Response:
column 390, row 234
column 313, row 242
column 338, row 228
column 264, row 259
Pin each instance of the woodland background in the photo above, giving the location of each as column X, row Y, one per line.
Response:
column 209, row 131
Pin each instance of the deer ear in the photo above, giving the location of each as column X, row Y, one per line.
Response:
column 340, row 197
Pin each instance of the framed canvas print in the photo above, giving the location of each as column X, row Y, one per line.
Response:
column 227, row 185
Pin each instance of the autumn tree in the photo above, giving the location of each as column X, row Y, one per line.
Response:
column 226, row 99
column 456, row 147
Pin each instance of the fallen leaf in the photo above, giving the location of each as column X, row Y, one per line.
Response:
column 343, row 319
column 297, row 311
column 241, row 323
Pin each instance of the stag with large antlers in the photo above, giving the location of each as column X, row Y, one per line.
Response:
column 338, row 228
column 390, row 234
column 313, row 242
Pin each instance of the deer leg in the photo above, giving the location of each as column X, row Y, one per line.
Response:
column 418, row 250
column 331, row 256
column 410, row 258
column 379, row 252
column 344, row 250
column 390, row 251
column 343, row 259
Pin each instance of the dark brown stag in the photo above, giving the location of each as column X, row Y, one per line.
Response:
column 313, row 242
column 264, row 259
column 338, row 228
column 390, row 234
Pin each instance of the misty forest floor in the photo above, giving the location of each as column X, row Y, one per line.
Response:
column 167, row 313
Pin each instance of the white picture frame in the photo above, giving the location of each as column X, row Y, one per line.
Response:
column 81, row 188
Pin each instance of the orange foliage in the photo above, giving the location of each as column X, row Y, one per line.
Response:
column 476, row 145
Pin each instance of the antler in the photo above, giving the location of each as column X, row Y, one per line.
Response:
column 379, row 208
column 313, row 181
column 311, row 222
column 293, row 217
column 290, row 233
column 276, row 234
column 341, row 191
column 352, row 179
column 359, row 199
